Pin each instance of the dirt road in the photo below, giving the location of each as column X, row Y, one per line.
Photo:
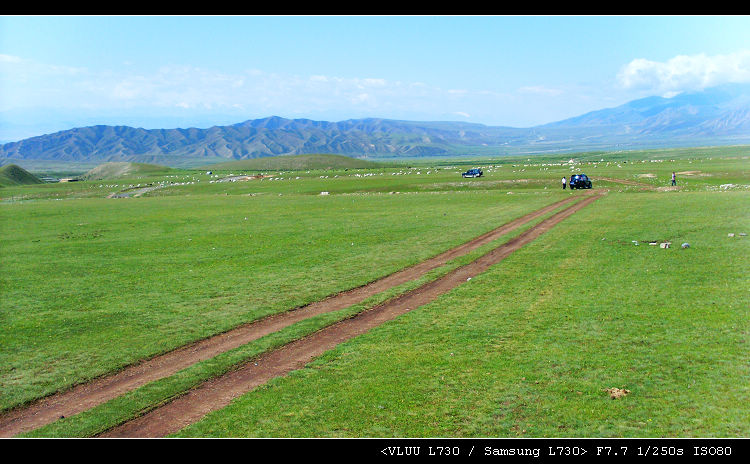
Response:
column 219, row 392
column 89, row 395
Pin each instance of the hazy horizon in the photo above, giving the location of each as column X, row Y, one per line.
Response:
column 60, row 72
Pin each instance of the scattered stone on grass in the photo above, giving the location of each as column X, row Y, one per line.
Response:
column 616, row 393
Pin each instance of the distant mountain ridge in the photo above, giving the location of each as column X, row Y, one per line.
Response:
column 253, row 139
column 717, row 115
column 718, row 111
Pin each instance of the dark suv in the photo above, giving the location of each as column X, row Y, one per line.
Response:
column 580, row 181
column 472, row 173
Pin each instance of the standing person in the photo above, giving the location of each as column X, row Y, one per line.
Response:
column 674, row 179
column 563, row 183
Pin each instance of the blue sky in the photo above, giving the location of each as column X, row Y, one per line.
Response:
column 58, row 72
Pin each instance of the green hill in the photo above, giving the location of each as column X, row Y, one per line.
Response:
column 12, row 174
column 117, row 170
column 295, row 163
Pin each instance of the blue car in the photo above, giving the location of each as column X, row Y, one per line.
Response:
column 580, row 181
column 472, row 173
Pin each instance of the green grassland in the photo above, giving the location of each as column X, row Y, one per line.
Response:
column 13, row 175
column 94, row 284
column 528, row 348
column 90, row 284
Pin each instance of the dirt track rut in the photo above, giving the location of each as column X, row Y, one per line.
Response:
column 89, row 395
column 219, row 392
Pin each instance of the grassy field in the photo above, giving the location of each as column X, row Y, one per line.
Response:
column 12, row 175
column 91, row 284
column 94, row 284
column 528, row 348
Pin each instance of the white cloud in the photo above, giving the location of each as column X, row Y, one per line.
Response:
column 540, row 90
column 685, row 72
column 13, row 66
column 362, row 98
column 126, row 91
column 9, row 59
column 187, row 90
column 370, row 82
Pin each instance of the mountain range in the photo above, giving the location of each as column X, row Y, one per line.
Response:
column 719, row 115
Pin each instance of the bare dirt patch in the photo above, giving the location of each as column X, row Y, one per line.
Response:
column 616, row 393
column 134, row 192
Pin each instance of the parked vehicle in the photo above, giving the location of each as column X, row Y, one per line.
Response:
column 473, row 173
column 580, row 181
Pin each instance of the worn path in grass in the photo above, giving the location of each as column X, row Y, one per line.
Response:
column 219, row 392
column 89, row 395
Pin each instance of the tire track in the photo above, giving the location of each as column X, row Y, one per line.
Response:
column 88, row 395
column 217, row 393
